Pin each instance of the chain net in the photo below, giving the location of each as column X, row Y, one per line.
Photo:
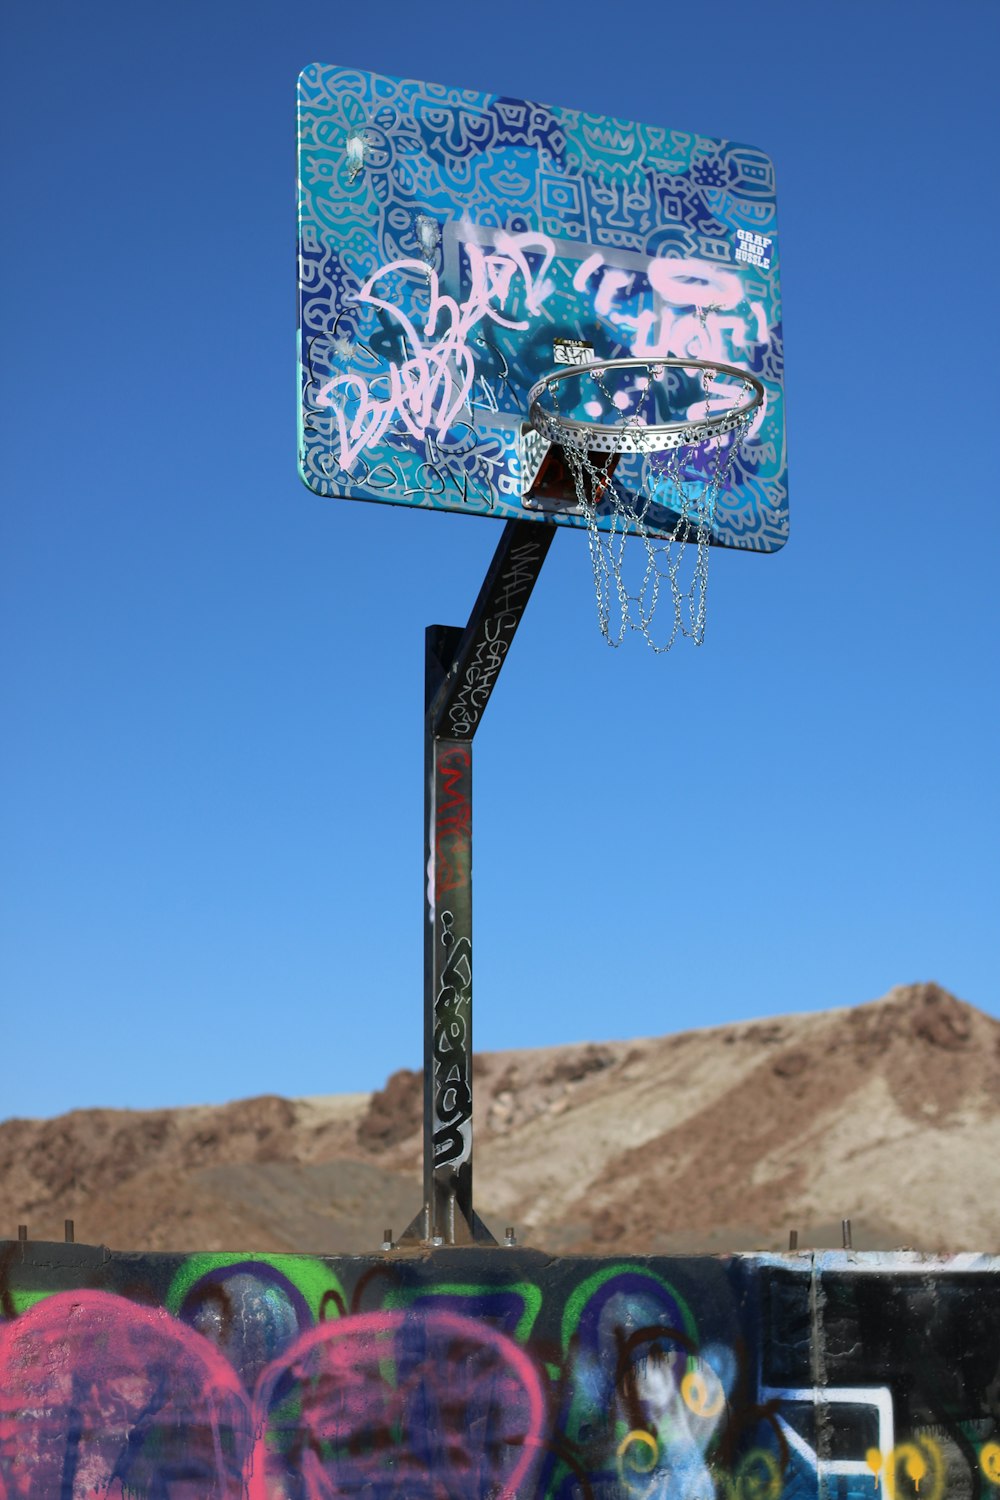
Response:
column 671, row 495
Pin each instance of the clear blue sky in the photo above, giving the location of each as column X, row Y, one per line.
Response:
column 211, row 687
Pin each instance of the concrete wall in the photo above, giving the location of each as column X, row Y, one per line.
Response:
column 497, row 1373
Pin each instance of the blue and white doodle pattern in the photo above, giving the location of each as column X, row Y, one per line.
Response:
column 447, row 238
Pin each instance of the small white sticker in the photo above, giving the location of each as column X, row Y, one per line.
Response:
column 753, row 249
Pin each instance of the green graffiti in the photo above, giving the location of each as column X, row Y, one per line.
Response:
column 311, row 1277
column 582, row 1294
column 23, row 1300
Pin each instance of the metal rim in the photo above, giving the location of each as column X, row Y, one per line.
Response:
column 651, row 438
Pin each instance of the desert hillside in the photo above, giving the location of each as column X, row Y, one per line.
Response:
column 723, row 1138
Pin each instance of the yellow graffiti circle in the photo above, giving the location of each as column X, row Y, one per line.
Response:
column 642, row 1450
column 989, row 1461
column 758, row 1477
column 697, row 1397
column 915, row 1469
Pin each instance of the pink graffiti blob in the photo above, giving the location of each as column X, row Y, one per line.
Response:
column 102, row 1397
column 432, row 386
column 422, row 1405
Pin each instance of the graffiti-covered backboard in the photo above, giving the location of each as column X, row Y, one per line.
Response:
column 455, row 247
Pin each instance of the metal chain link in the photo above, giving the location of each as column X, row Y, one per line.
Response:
column 692, row 499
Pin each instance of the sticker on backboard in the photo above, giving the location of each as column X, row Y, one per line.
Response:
column 456, row 247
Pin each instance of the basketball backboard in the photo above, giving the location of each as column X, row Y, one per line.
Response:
column 455, row 247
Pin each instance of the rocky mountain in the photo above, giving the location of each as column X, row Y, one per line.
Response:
column 710, row 1140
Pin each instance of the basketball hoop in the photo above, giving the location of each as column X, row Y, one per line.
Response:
column 660, row 479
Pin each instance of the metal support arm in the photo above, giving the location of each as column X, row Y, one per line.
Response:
column 462, row 667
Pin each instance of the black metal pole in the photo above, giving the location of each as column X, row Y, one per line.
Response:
column 461, row 671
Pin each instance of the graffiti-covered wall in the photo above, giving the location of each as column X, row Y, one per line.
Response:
column 494, row 1373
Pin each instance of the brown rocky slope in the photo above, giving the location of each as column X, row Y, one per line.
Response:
column 722, row 1138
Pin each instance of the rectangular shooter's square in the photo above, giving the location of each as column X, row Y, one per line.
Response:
column 456, row 248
